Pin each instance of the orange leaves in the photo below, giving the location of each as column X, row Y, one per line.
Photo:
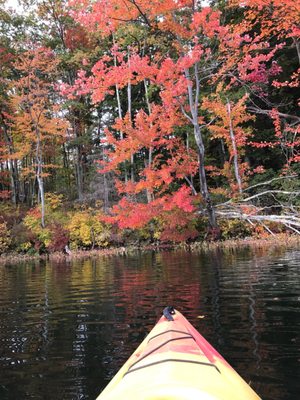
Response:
column 181, row 199
column 149, row 138
column 128, row 67
column 182, row 162
column 5, row 194
column 276, row 121
column 258, row 170
column 108, row 15
column 228, row 125
column 77, row 37
column 147, row 129
column 40, row 59
column 35, row 118
column 288, row 136
column 172, row 212
column 237, row 117
column 270, row 20
column 294, row 82
column 207, row 21
column 153, row 133
column 34, row 213
column 165, row 175
column 279, row 17
column 257, row 69
column 178, row 226
column 129, row 214
column 147, row 144
column 264, row 144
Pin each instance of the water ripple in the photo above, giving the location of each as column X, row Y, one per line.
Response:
column 70, row 327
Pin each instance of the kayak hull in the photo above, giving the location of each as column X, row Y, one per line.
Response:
column 175, row 362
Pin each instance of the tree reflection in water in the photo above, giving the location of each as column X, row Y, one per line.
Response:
column 67, row 327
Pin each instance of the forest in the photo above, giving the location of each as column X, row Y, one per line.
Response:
column 132, row 121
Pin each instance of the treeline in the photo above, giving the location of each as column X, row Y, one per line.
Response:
column 129, row 121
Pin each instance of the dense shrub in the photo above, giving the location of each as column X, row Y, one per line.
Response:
column 234, row 228
column 5, row 237
column 22, row 238
column 53, row 201
column 59, row 237
column 12, row 214
column 86, row 230
column 41, row 237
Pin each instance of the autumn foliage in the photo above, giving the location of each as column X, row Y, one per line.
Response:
column 174, row 114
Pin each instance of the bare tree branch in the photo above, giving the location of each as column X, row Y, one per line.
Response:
column 267, row 229
column 293, row 229
column 209, row 123
column 185, row 113
column 270, row 181
column 270, row 192
column 287, row 220
column 191, row 185
column 145, row 18
column 258, row 110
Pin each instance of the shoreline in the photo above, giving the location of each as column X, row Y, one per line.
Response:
column 279, row 240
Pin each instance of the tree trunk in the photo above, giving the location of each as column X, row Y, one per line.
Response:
column 78, row 163
column 42, row 197
column 194, row 104
column 13, row 169
column 297, row 45
column 130, row 115
column 39, row 177
column 79, row 174
column 148, row 193
column 234, row 148
column 203, row 181
column 105, row 189
column 14, row 193
column 120, row 114
column 66, row 164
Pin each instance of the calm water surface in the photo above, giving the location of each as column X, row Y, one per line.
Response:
column 66, row 328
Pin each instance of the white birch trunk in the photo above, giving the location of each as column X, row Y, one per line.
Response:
column 194, row 104
column 39, row 176
column 129, row 113
column 148, row 193
column 234, row 148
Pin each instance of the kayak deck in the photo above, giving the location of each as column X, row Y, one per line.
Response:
column 176, row 362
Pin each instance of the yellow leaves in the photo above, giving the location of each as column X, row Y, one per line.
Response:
column 5, row 239
column 234, row 228
column 53, row 200
column 33, row 222
column 40, row 60
column 25, row 246
column 28, row 172
column 228, row 114
column 17, row 155
column 86, row 230
column 221, row 191
column 37, row 127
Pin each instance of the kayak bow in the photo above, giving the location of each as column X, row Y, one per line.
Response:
column 176, row 362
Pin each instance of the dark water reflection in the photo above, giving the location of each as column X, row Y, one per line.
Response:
column 66, row 328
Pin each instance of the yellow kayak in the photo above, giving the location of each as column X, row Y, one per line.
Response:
column 176, row 362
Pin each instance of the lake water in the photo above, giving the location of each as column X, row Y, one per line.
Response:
column 67, row 327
